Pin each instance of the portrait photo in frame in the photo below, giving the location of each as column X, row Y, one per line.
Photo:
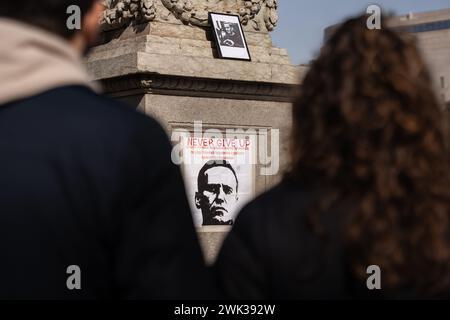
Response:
column 229, row 36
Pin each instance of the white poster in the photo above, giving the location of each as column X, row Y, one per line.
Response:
column 219, row 175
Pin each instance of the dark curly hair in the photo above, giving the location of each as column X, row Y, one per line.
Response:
column 368, row 125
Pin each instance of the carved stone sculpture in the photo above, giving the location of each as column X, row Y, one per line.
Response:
column 255, row 15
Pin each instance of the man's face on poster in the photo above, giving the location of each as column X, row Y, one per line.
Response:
column 228, row 28
column 217, row 196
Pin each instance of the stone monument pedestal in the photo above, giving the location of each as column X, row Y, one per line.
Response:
column 164, row 62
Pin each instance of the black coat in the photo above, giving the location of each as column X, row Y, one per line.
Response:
column 272, row 251
column 89, row 182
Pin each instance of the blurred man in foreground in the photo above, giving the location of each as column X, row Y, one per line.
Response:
column 91, row 204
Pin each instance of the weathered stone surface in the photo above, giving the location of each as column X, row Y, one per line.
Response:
column 113, row 67
column 258, row 15
column 211, row 243
column 198, row 87
column 182, row 50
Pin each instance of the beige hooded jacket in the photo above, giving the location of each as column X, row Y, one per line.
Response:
column 33, row 61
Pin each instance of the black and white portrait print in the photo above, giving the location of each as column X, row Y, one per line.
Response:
column 217, row 193
column 219, row 174
column 229, row 35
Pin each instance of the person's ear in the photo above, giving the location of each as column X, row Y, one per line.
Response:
column 91, row 22
column 198, row 200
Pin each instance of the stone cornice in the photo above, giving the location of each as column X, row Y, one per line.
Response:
column 197, row 87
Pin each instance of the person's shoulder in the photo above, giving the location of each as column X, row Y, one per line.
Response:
column 96, row 111
column 84, row 119
column 84, row 99
column 283, row 192
column 277, row 202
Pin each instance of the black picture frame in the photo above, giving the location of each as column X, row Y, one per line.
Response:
column 230, row 44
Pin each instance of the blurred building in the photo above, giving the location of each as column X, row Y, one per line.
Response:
column 432, row 30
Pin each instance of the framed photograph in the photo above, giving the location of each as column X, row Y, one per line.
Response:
column 230, row 38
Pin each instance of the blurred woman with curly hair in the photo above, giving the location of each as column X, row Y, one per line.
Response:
column 368, row 184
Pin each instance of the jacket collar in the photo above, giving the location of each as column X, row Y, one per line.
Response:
column 33, row 61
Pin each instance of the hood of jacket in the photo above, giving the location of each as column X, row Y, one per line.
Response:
column 33, row 61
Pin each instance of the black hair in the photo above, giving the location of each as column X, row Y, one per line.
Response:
column 201, row 179
column 50, row 15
